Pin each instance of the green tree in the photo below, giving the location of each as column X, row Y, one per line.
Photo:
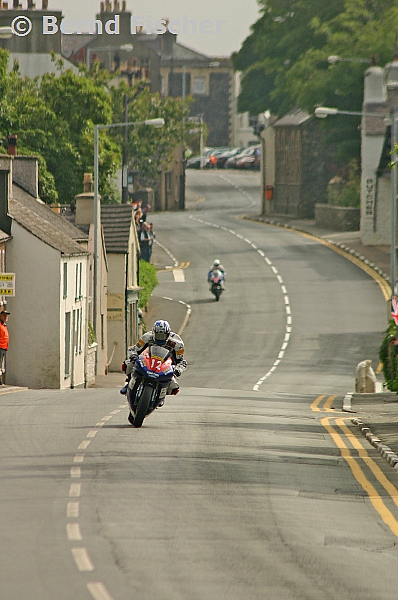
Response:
column 54, row 118
column 149, row 148
column 285, row 59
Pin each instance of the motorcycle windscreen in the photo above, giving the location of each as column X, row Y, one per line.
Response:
column 158, row 352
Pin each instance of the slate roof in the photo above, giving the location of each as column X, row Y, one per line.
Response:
column 116, row 223
column 71, row 43
column 45, row 212
column 38, row 218
column 294, row 117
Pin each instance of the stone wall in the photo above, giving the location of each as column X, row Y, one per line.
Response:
column 338, row 218
column 90, row 366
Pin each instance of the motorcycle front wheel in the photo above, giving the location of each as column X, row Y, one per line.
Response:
column 143, row 406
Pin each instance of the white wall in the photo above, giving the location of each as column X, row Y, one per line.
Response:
column 33, row 358
column 116, row 328
column 36, row 357
column 373, row 193
column 75, row 304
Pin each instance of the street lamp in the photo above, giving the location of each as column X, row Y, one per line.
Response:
column 324, row 111
column 151, row 122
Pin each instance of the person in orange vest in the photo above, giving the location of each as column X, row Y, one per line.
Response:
column 4, row 337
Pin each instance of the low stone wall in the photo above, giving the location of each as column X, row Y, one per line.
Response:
column 90, row 366
column 339, row 218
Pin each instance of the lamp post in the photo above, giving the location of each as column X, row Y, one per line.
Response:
column 322, row 112
column 151, row 122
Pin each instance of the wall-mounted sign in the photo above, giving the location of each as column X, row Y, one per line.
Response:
column 7, row 284
column 115, row 308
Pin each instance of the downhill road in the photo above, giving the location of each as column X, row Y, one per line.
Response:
column 251, row 483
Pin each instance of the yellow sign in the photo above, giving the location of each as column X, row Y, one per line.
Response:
column 7, row 284
column 115, row 309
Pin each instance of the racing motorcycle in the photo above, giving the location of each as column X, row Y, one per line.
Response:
column 216, row 279
column 153, row 372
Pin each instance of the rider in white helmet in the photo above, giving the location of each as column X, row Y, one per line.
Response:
column 217, row 266
column 161, row 335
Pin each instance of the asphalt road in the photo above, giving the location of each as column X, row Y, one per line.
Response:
column 251, row 482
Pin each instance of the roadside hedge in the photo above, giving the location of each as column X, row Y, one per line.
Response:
column 147, row 279
column 388, row 358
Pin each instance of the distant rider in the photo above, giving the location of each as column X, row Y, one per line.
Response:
column 217, row 266
column 161, row 335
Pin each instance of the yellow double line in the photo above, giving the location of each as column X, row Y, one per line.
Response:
column 327, row 405
column 352, row 461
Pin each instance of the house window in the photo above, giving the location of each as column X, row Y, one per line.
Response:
column 65, row 279
column 67, row 344
column 80, row 279
column 199, row 85
column 77, row 283
column 79, row 331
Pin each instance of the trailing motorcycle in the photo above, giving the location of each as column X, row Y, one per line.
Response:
column 216, row 280
column 153, row 372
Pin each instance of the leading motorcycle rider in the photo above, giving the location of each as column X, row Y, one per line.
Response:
column 161, row 335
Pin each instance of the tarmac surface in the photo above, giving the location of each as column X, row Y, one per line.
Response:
column 375, row 415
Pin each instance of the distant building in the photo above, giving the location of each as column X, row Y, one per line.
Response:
column 380, row 95
column 32, row 51
column 172, row 68
column 296, row 161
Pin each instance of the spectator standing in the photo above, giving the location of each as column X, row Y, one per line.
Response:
column 136, row 204
column 144, row 242
column 138, row 219
column 4, row 338
column 152, row 236
column 145, row 212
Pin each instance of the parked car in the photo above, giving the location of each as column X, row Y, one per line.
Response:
column 251, row 161
column 238, row 161
column 225, row 155
column 214, row 156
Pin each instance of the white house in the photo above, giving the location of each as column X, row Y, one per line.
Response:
column 122, row 250
column 380, row 95
column 48, row 322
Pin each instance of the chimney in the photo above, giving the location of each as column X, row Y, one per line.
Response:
column 12, row 145
column 168, row 40
column 25, row 173
column 88, row 183
column 5, row 193
column 374, row 87
column 84, row 203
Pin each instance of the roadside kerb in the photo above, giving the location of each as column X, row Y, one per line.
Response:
column 389, row 455
column 337, row 247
